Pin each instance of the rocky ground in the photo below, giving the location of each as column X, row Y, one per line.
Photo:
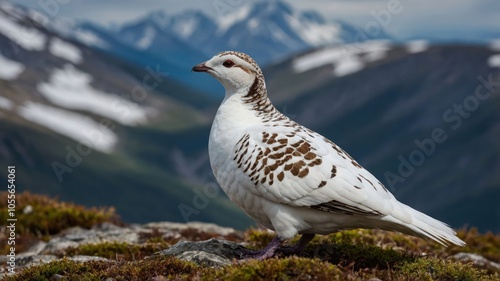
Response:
column 61, row 241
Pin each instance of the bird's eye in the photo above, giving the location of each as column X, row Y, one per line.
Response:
column 228, row 63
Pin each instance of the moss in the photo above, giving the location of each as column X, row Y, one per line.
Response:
column 116, row 250
column 291, row 268
column 436, row 269
column 151, row 267
column 101, row 270
column 487, row 245
column 48, row 217
column 69, row 269
column 360, row 256
column 258, row 238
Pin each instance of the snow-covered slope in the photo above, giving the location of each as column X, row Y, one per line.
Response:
column 51, row 101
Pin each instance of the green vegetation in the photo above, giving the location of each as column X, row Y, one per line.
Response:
column 346, row 255
column 117, row 250
column 39, row 216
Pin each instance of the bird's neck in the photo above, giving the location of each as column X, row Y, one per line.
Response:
column 251, row 103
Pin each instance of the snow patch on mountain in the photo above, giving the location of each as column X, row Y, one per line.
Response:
column 89, row 38
column 348, row 65
column 230, row 19
column 494, row 61
column 27, row 38
column 11, row 10
column 70, row 88
column 73, row 125
column 417, row 46
column 372, row 50
column 9, row 69
column 187, row 27
column 317, row 59
column 65, row 50
column 345, row 59
column 5, row 103
column 147, row 39
column 315, row 33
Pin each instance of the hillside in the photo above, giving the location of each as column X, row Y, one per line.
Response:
column 77, row 123
column 92, row 244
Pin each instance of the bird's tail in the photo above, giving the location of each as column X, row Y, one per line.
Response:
column 425, row 226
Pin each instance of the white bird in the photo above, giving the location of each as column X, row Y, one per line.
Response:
column 291, row 179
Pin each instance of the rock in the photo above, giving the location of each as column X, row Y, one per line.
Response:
column 82, row 258
column 34, row 250
column 200, row 226
column 204, row 259
column 212, row 252
column 477, row 260
column 28, row 209
column 77, row 236
column 132, row 234
column 31, row 260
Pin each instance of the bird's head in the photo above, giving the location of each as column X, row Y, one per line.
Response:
column 234, row 70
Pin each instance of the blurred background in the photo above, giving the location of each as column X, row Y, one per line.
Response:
column 98, row 104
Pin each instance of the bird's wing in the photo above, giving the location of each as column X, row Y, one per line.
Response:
column 295, row 166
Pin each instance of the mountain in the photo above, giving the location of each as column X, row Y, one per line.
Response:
column 145, row 44
column 268, row 30
column 98, row 130
column 272, row 27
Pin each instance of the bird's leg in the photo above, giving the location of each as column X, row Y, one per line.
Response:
column 265, row 253
column 298, row 247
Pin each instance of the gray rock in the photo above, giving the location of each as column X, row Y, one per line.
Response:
column 34, row 250
column 82, row 258
column 32, row 260
column 77, row 236
column 204, row 259
column 212, row 252
column 107, row 232
column 200, row 226
column 477, row 260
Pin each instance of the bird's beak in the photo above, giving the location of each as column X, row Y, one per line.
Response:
column 201, row 68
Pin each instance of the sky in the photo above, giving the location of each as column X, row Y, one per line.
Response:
column 407, row 17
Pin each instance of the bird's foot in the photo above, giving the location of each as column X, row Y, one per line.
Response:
column 274, row 247
column 263, row 254
column 256, row 254
column 298, row 247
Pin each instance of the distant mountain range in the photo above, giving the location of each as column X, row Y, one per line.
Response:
column 267, row 30
column 114, row 121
